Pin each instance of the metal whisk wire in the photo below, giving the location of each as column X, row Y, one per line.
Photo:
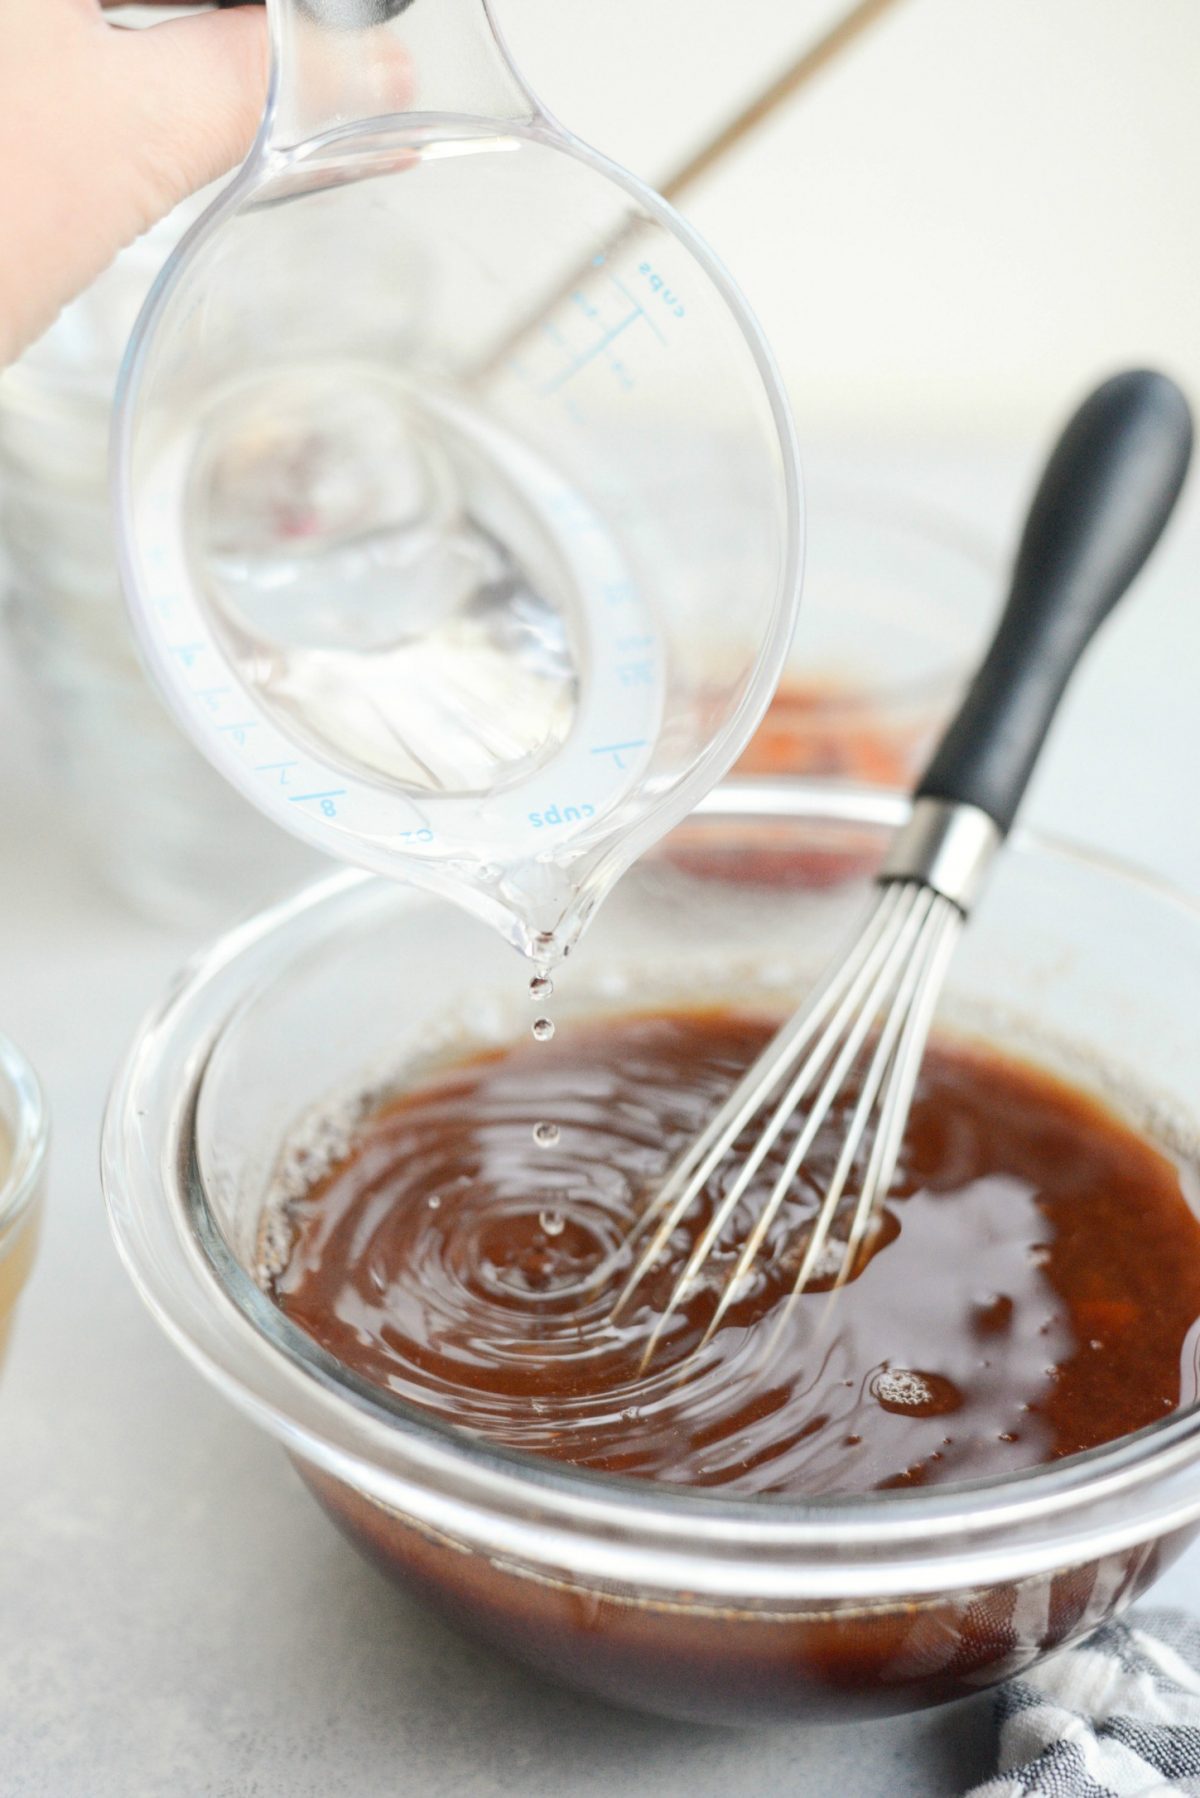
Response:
column 907, row 935
column 1105, row 496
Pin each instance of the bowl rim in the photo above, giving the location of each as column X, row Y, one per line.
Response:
column 536, row 1512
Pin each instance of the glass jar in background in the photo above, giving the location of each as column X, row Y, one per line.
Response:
column 158, row 824
column 23, row 1139
column 899, row 602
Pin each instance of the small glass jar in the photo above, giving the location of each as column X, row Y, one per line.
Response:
column 24, row 1134
column 899, row 601
column 161, row 827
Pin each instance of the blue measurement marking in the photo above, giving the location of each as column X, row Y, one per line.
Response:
column 619, row 593
column 581, row 361
column 281, row 768
column 327, row 800
column 212, row 697
column 636, row 674
column 617, row 750
column 240, row 730
column 188, row 652
column 634, row 301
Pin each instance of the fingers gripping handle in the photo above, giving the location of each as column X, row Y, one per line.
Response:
column 1107, row 492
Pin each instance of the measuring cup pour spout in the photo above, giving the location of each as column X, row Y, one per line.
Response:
column 460, row 570
column 340, row 62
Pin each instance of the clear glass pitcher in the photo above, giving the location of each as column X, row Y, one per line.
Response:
column 456, row 490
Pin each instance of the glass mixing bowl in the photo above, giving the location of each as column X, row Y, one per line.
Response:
column 684, row 1602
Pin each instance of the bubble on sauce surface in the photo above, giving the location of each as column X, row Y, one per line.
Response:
column 553, row 1222
column 907, row 1392
column 546, row 1135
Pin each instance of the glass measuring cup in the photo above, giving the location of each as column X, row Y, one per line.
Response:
column 412, row 537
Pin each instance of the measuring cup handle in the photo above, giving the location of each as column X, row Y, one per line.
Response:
column 339, row 62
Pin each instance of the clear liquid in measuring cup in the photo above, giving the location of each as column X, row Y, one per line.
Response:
column 385, row 582
column 435, row 630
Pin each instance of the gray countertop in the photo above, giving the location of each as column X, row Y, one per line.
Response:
column 175, row 1614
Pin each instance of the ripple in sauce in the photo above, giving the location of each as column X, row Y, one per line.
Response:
column 1032, row 1290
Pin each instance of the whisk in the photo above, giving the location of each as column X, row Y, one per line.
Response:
column 1105, row 495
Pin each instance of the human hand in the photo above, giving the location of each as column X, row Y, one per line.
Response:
column 103, row 131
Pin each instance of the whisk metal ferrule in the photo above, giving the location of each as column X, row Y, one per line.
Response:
column 946, row 846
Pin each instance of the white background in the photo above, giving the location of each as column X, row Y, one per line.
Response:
column 985, row 204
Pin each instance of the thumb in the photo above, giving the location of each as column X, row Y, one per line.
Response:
column 195, row 90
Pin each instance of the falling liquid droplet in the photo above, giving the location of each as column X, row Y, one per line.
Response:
column 545, row 1135
column 553, row 1222
column 540, row 987
column 543, row 1030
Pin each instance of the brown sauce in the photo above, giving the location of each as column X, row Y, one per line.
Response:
column 1033, row 1290
column 819, row 729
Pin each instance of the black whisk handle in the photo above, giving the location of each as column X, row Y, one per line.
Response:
column 1106, row 494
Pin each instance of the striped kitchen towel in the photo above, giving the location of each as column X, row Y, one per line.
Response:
column 1117, row 1717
